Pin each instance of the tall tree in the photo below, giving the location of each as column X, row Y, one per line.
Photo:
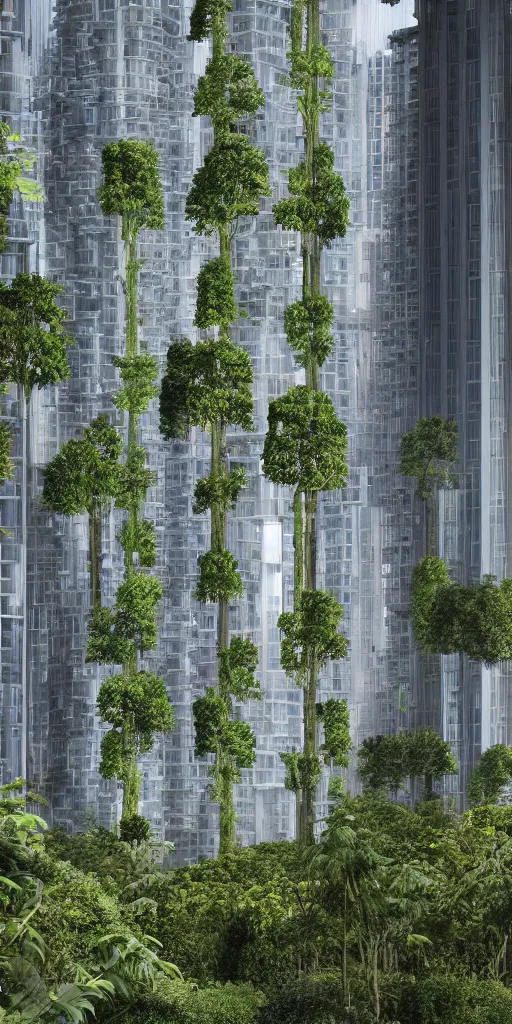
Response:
column 306, row 444
column 84, row 477
column 134, row 702
column 208, row 385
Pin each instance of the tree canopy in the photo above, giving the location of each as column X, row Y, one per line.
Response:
column 318, row 203
column 428, row 451
column 492, row 772
column 228, row 185
column 85, row 471
column 131, row 184
column 306, row 443
column 33, row 341
column 204, row 383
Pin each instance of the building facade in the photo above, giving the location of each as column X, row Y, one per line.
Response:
column 104, row 69
column 465, row 288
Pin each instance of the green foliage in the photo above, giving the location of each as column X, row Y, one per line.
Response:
column 32, row 338
column 145, row 542
column 493, row 771
column 204, row 13
column 139, row 536
column 184, row 1004
column 428, row 577
column 138, row 375
column 228, row 185
column 217, row 734
column 311, row 1000
column 216, row 294
column 6, row 465
column 116, row 634
column 14, row 161
column 140, row 699
column 336, row 718
column 131, row 185
column 306, row 443
column 219, row 579
column 136, row 601
column 302, row 771
column 85, row 472
column 448, row 617
column 308, row 326
column 134, row 829
column 427, row 754
column 454, row 1000
column 204, row 384
column 219, row 490
column 75, row 914
column 237, row 665
column 318, row 204
column 427, row 452
column 316, row 63
column 209, row 715
column 310, row 634
column 113, row 764
column 387, row 761
column 104, row 644
column 239, row 743
column 381, row 763
column 134, row 479
column 228, row 90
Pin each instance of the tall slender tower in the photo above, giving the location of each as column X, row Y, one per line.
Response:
column 465, row 50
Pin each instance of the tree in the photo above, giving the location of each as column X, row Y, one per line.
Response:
column 84, row 477
column 385, row 762
column 32, row 338
column 209, row 385
column 449, row 617
column 491, row 774
column 306, row 444
column 135, row 701
column 427, row 453
column 428, row 755
column 137, row 707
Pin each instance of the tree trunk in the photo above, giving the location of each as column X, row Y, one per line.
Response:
column 227, row 811
column 95, row 554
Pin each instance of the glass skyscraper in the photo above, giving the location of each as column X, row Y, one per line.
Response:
column 421, row 297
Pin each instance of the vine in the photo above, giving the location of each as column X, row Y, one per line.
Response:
column 208, row 385
column 306, row 444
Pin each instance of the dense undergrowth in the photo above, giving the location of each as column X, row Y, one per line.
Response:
column 394, row 915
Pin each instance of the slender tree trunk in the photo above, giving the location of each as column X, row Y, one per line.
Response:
column 131, row 781
column 227, row 811
column 25, row 696
column 95, row 554
column 344, row 962
column 428, row 788
column 375, row 980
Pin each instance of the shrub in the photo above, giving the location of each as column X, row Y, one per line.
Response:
column 453, row 1000
column 311, row 1000
column 178, row 1003
column 75, row 914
